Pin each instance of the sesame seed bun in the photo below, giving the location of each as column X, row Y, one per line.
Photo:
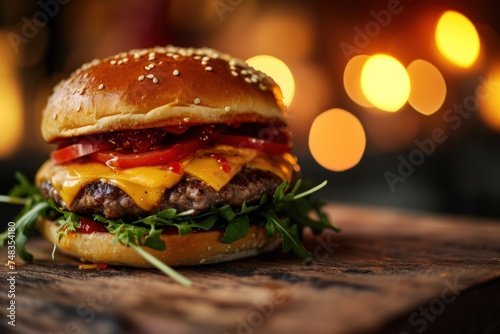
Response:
column 192, row 249
column 159, row 87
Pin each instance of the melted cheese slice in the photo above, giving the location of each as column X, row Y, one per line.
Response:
column 207, row 164
column 146, row 185
column 282, row 165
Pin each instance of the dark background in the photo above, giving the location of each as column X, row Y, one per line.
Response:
column 461, row 176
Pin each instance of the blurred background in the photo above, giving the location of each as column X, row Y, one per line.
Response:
column 419, row 82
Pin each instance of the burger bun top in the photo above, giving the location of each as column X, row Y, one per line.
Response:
column 160, row 87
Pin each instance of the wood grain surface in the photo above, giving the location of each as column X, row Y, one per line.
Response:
column 387, row 272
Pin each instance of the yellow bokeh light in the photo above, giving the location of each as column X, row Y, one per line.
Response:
column 488, row 96
column 457, row 39
column 352, row 80
column 11, row 110
column 385, row 82
column 428, row 88
column 337, row 140
column 279, row 71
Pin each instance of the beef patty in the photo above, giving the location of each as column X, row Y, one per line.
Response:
column 191, row 193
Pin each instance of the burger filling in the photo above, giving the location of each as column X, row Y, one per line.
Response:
column 189, row 194
column 133, row 173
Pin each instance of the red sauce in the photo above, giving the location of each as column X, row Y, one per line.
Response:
column 88, row 226
column 226, row 168
column 176, row 129
column 222, row 161
column 174, row 166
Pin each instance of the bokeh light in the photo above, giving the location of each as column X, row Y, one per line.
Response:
column 352, row 80
column 457, row 39
column 489, row 99
column 428, row 88
column 277, row 70
column 11, row 109
column 385, row 82
column 337, row 140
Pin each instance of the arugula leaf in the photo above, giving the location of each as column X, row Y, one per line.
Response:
column 205, row 224
column 34, row 205
column 290, row 236
column 227, row 213
column 153, row 240
column 25, row 227
column 236, row 229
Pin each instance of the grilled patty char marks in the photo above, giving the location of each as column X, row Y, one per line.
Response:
column 191, row 193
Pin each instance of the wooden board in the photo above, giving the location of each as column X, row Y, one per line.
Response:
column 388, row 271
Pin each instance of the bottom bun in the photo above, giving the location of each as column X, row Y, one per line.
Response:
column 192, row 249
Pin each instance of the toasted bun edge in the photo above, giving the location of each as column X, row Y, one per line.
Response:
column 192, row 249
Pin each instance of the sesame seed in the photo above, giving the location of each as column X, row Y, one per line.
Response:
column 208, row 68
column 186, row 119
column 175, row 72
column 247, row 79
column 150, row 76
column 238, row 62
column 234, row 73
column 209, row 248
column 197, row 57
column 203, row 261
column 155, row 80
column 197, row 101
column 112, row 62
column 85, row 75
column 101, row 86
column 227, row 108
column 140, row 78
column 176, row 56
column 120, row 62
column 262, row 87
column 137, row 55
column 244, row 72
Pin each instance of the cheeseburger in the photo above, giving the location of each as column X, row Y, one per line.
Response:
column 180, row 155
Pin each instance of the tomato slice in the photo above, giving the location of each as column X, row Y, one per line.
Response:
column 78, row 150
column 160, row 156
column 255, row 143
